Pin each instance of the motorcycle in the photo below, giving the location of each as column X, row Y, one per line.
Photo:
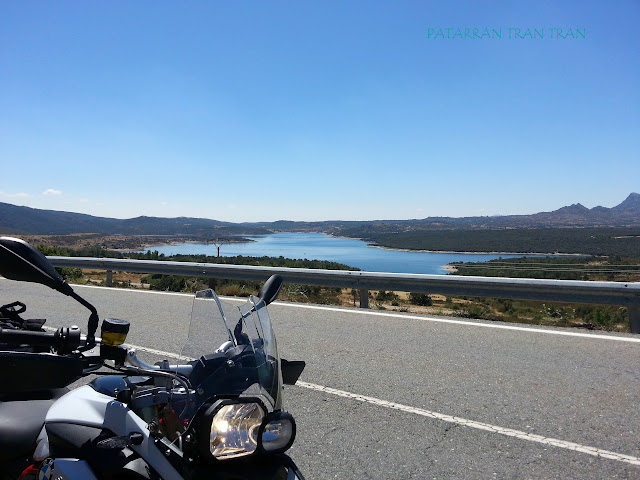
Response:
column 217, row 415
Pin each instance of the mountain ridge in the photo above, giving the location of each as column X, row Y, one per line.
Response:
column 15, row 219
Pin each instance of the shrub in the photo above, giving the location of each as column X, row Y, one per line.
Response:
column 422, row 299
column 70, row 273
column 383, row 296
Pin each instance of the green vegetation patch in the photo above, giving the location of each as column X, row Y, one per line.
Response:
column 603, row 317
column 615, row 268
column 624, row 242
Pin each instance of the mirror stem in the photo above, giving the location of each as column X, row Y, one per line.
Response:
column 92, row 326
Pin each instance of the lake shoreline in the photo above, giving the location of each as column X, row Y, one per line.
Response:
column 524, row 254
column 345, row 250
column 371, row 245
column 171, row 243
column 454, row 252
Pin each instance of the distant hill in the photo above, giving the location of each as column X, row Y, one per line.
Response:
column 627, row 214
column 17, row 219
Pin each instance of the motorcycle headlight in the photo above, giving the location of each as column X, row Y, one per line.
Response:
column 277, row 433
column 234, row 430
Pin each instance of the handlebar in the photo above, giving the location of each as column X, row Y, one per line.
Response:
column 64, row 340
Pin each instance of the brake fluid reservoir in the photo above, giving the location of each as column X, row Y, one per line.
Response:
column 114, row 331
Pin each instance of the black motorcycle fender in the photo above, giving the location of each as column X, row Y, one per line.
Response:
column 261, row 467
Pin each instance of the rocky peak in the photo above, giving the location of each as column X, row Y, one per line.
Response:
column 631, row 204
column 575, row 209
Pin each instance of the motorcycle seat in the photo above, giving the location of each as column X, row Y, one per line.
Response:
column 21, row 420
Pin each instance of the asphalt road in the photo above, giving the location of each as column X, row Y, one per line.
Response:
column 402, row 396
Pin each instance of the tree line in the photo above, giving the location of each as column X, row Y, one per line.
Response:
column 613, row 268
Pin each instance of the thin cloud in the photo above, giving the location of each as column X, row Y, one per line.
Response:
column 51, row 191
column 14, row 195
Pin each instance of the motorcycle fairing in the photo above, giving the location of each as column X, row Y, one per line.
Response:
column 68, row 440
column 89, row 408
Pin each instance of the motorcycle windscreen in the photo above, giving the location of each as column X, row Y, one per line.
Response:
column 209, row 328
column 254, row 325
column 243, row 337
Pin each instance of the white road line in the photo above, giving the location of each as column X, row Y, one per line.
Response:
column 160, row 353
column 408, row 317
column 596, row 452
column 509, row 432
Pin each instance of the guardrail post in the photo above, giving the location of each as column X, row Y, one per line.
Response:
column 634, row 318
column 109, row 281
column 364, row 298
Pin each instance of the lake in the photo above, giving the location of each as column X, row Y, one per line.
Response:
column 318, row 246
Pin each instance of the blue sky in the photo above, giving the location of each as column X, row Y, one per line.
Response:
column 318, row 110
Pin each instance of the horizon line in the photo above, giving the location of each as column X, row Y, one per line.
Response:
column 320, row 221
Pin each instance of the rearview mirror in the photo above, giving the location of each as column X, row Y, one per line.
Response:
column 271, row 288
column 20, row 261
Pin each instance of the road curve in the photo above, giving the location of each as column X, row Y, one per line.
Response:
column 397, row 396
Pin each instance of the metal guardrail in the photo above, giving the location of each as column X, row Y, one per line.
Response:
column 573, row 291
